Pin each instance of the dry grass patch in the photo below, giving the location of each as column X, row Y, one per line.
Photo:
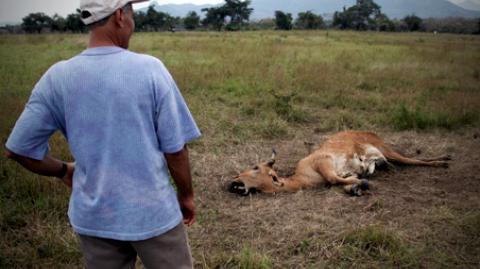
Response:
column 253, row 91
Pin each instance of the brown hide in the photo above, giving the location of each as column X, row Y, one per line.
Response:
column 343, row 159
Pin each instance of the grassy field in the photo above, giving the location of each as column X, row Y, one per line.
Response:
column 252, row 91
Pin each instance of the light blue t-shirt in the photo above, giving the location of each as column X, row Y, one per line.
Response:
column 120, row 111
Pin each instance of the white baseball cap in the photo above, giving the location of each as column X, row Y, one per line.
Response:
column 95, row 10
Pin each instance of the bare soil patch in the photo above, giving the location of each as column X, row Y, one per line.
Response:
column 305, row 229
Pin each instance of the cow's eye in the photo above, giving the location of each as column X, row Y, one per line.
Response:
column 256, row 167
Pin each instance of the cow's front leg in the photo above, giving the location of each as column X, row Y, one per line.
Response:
column 357, row 189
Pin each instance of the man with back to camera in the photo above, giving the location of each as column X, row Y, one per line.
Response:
column 127, row 126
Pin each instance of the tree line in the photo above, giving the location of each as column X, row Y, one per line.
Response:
column 234, row 15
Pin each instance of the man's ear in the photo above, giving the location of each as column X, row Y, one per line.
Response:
column 119, row 17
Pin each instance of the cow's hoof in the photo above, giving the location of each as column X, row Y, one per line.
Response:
column 364, row 185
column 355, row 190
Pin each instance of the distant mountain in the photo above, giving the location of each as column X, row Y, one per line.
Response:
column 5, row 23
column 180, row 10
column 266, row 8
column 263, row 8
column 393, row 8
column 424, row 9
column 467, row 4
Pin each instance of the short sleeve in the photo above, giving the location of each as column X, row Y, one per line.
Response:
column 29, row 137
column 175, row 124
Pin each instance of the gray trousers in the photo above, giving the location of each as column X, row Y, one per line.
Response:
column 169, row 250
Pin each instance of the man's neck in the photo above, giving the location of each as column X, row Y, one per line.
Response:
column 101, row 40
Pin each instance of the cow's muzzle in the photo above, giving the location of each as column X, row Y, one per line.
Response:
column 239, row 188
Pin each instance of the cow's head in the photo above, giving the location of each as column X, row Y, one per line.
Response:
column 261, row 178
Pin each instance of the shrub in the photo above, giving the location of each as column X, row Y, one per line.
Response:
column 404, row 119
column 282, row 105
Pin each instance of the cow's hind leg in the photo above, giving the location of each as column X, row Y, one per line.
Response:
column 326, row 168
column 396, row 157
column 352, row 185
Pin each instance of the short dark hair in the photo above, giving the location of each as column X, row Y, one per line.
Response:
column 102, row 22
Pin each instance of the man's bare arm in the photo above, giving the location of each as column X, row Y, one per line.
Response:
column 49, row 166
column 179, row 167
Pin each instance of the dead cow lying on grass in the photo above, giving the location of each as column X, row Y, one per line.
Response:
column 346, row 158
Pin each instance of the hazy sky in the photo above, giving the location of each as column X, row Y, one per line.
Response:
column 12, row 11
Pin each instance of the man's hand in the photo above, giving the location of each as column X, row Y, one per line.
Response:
column 188, row 210
column 68, row 178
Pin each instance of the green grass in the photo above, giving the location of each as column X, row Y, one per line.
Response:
column 335, row 81
column 405, row 119
column 258, row 86
column 249, row 259
column 451, row 241
column 374, row 246
column 246, row 258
